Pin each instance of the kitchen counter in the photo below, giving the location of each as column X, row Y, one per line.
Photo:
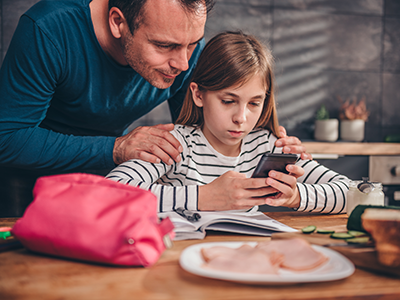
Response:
column 343, row 148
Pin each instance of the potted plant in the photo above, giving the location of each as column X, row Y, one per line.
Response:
column 326, row 129
column 352, row 117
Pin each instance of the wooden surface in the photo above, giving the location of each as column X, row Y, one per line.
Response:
column 24, row 275
column 343, row 148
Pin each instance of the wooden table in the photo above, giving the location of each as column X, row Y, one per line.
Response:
column 25, row 275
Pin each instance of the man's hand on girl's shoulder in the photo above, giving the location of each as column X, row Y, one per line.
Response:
column 148, row 143
column 291, row 144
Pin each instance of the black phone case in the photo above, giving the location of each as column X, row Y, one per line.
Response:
column 273, row 161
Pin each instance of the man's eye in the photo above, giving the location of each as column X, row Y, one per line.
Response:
column 166, row 46
column 192, row 46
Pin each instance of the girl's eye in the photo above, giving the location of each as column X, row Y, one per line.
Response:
column 255, row 103
column 227, row 101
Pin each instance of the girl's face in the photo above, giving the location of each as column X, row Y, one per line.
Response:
column 230, row 114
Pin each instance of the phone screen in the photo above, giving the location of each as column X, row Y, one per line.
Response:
column 273, row 161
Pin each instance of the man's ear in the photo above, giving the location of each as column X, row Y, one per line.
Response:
column 117, row 22
column 196, row 94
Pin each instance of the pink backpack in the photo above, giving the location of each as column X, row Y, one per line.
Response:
column 90, row 218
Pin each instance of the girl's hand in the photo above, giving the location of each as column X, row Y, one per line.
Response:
column 288, row 194
column 233, row 190
column 291, row 144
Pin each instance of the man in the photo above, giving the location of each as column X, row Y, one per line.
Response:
column 79, row 72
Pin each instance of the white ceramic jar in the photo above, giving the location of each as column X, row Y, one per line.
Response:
column 352, row 130
column 326, row 130
column 356, row 197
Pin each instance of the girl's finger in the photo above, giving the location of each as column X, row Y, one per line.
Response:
column 295, row 171
column 283, row 178
column 282, row 187
column 260, row 193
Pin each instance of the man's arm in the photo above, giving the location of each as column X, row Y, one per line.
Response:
column 28, row 77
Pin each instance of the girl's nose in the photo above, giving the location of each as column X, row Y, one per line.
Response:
column 240, row 116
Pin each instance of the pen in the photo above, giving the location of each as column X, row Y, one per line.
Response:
column 189, row 215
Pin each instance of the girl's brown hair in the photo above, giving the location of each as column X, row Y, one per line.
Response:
column 229, row 59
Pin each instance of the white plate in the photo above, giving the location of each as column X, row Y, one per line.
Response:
column 337, row 267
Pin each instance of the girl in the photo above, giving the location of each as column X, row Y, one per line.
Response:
column 228, row 120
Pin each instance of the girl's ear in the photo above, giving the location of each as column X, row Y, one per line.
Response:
column 196, row 94
column 117, row 22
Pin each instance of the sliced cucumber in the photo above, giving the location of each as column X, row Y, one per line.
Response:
column 341, row 235
column 356, row 233
column 309, row 229
column 325, row 231
column 358, row 240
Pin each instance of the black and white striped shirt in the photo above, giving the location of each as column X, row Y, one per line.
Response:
column 321, row 190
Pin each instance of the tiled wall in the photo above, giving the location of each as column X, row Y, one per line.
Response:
column 323, row 49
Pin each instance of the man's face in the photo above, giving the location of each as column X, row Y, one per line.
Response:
column 160, row 49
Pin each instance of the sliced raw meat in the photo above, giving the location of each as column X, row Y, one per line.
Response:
column 298, row 255
column 212, row 252
column 245, row 259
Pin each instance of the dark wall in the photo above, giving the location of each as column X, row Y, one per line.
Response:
column 323, row 49
column 326, row 49
column 11, row 10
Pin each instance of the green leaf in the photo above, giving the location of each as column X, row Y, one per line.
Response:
column 322, row 113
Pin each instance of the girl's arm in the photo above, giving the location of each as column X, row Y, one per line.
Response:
column 321, row 189
column 316, row 189
column 147, row 176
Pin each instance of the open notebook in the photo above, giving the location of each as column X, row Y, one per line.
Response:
column 251, row 223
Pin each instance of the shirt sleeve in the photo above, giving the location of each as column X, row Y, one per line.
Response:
column 147, row 176
column 321, row 189
column 29, row 75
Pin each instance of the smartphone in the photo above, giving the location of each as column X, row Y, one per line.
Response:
column 273, row 161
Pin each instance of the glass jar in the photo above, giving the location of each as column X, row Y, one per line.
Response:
column 356, row 197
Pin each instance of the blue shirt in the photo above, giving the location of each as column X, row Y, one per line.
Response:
column 63, row 101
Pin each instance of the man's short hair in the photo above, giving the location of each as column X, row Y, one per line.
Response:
column 133, row 9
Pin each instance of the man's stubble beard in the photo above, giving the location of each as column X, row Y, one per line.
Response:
column 142, row 68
